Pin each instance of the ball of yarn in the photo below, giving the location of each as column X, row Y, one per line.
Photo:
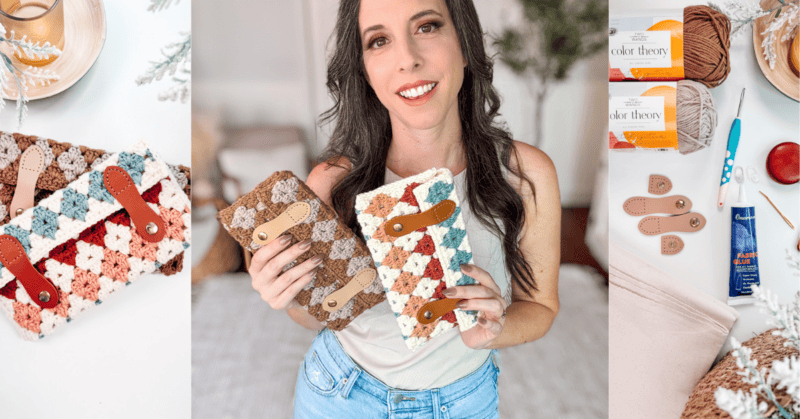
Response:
column 697, row 116
column 706, row 45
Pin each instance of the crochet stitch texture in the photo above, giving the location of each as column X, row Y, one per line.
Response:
column 416, row 267
column 344, row 254
column 88, row 255
column 63, row 163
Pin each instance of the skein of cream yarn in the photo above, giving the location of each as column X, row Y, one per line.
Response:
column 697, row 116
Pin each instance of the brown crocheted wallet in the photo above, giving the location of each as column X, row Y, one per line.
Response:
column 346, row 283
column 63, row 163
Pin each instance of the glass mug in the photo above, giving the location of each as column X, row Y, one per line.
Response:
column 39, row 20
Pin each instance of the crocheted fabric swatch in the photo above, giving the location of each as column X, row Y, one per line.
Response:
column 64, row 162
column 344, row 254
column 83, row 241
column 416, row 267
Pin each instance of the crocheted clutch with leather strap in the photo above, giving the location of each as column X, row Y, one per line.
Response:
column 61, row 163
column 346, row 283
column 417, row 237
column 126, row 217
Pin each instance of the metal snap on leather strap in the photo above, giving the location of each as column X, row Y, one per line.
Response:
column 19, row 211
column 292, row 216
column 340, row 297
column 694, row 222
column 679, row 204
column 433, row 310
column 404, row 224
column 12, row 255
column 121, row 186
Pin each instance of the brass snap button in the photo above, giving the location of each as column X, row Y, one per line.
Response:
column 19, row 211
column 151, row 228
column 44, row 296
column 662, row 185
column 262, row 236
column 332, row 303
column 694, row 222
column 672, row 245
column 680, row 204
column 397, row 227
column 428, row 314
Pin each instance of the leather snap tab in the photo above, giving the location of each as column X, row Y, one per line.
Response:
column 12, row 255
column 293, row 215
column 121, row 186
column 44, row 296
column 405, row 224
column 31, row 165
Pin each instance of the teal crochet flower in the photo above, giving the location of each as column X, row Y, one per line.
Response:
column 97, row 189
column 454, row 237
column 461, row 257
column 439, row 192
column 74, row 205
column 133, row 164
column 22, row 235
column 45, row 222
column 450, row 221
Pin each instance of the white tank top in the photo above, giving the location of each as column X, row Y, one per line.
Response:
column 373, row 339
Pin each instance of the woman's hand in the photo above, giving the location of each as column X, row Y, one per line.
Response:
column 276, row 288
column 486, row 298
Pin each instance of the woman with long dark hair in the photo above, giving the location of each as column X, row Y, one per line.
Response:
column 412, row 86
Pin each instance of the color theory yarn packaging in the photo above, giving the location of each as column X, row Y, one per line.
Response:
column 83, row 241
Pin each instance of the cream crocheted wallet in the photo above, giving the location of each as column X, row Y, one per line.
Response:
column 125, row 216
column 61, row 163
column 418, row 240
column 346, row 283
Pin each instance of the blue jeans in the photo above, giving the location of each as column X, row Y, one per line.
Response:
column 331, row 385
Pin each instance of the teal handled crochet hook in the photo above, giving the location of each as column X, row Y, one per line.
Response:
column 730, row 154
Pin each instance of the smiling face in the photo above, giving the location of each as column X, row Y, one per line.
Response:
column 413, row 59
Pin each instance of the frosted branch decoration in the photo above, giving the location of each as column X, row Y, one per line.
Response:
column 158, row 5
column 177, row 59
column 782, row 374
column 744, row 12
column 24, row 78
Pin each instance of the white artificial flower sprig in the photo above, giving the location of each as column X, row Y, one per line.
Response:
column 742, row 13
column 794, row 262
column 784, row 374
column 28, row 77
column 158, row 5
column 177, row 56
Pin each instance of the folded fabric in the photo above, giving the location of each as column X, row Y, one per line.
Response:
column 62, row 163
column 346, row 283
column 663, row 337
column 126, row 217
column 417, row 237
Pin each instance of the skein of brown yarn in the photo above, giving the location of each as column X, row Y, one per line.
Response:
column 706, row 44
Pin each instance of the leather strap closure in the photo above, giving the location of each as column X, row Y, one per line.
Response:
column 642, row 205
column 433, row 310
column 148, row 224
column 30, row 165
column 671, row 245
column 689, row 223
column 659, row 185
column 340, row 297
column 13, row 257
column 404, row 224
column 292, row 216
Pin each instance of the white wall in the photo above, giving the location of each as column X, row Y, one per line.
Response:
column 264, row 62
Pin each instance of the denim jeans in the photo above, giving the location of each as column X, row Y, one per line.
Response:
column 331, row 385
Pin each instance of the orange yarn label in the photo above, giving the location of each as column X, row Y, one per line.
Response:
column 643, row 116
column 646, row 48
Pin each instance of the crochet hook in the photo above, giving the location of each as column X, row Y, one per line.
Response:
column 730, row 154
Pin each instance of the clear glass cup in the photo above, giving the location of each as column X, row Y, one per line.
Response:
column 39, row 20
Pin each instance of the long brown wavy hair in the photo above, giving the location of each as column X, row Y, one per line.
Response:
column 363, row 133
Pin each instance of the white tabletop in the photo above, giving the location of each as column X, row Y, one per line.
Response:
column 131, row 356
column 768, row 118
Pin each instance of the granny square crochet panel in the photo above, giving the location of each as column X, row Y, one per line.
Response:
column 416, row 267
column 344, row 254
column 82, row 240
column 63, row 162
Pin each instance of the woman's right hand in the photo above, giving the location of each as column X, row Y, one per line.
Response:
column 279, row 288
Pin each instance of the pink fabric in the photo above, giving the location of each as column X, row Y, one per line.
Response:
column 663, row 337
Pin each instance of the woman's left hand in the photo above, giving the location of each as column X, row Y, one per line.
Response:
column 486, row 298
